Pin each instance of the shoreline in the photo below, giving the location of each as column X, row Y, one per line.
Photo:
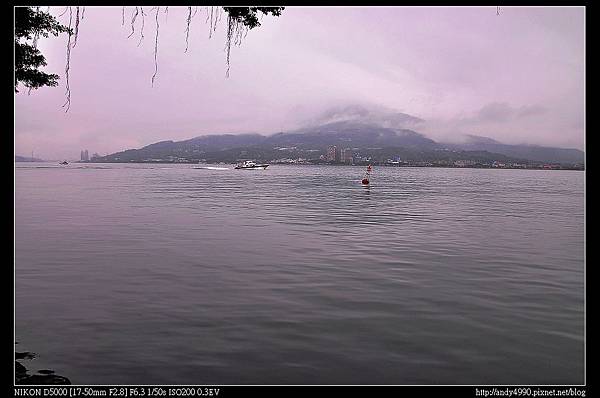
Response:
column 44, row 376
column 546, row 166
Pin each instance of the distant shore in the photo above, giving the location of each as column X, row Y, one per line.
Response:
column 544, row 166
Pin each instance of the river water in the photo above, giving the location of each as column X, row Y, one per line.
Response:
column 173, row 274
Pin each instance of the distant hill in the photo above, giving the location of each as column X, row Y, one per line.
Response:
column 529, row 152
column 27, row 159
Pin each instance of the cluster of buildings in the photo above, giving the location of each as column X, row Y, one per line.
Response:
column 475, row 164
column 338, row 155
column 85, row 157
column 292, row 161
column 171, row 159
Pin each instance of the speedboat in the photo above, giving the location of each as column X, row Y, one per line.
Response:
column 65, row 162
column 248, row 164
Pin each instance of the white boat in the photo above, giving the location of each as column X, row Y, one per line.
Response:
column 249, row 164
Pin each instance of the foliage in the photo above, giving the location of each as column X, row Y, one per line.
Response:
column 30, row 24
column 248, row 16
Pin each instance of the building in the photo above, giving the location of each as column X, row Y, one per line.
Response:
column 84, row 155
column 347, row 156
column 464, row 163
column 332, row 154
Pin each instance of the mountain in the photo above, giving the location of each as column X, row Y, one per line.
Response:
column 529, row 152
column 370, row 132
column 229, row 147
column 352, row 134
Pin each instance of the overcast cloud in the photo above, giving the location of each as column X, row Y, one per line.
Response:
column 517, row 77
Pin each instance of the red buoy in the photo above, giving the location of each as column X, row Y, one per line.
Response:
column 365, row 179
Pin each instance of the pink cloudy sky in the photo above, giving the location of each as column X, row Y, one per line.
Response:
column 517, row 77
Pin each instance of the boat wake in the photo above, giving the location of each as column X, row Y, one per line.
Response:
column 211, row 168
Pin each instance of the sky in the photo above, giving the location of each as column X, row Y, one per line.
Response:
column 517, row 77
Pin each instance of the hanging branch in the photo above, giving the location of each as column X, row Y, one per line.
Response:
column 498, row 10
column 231, row 24
column 230, row 27
column 239, row 22
column 76, row 27
column 155, row 48
column 236, row 31
column 187, row 29
column 68, row 89
column 142, row 29
column 133, row 18
column 215, row 16
column 211, row 21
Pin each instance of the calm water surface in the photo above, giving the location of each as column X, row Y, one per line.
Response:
column 169, row 274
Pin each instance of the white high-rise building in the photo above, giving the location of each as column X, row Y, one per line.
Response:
column 332, row 154
column 346, row 156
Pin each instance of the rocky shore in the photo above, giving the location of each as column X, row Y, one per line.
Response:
column 44, row 376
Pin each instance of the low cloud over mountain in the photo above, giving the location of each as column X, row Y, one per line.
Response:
column 353, row 126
